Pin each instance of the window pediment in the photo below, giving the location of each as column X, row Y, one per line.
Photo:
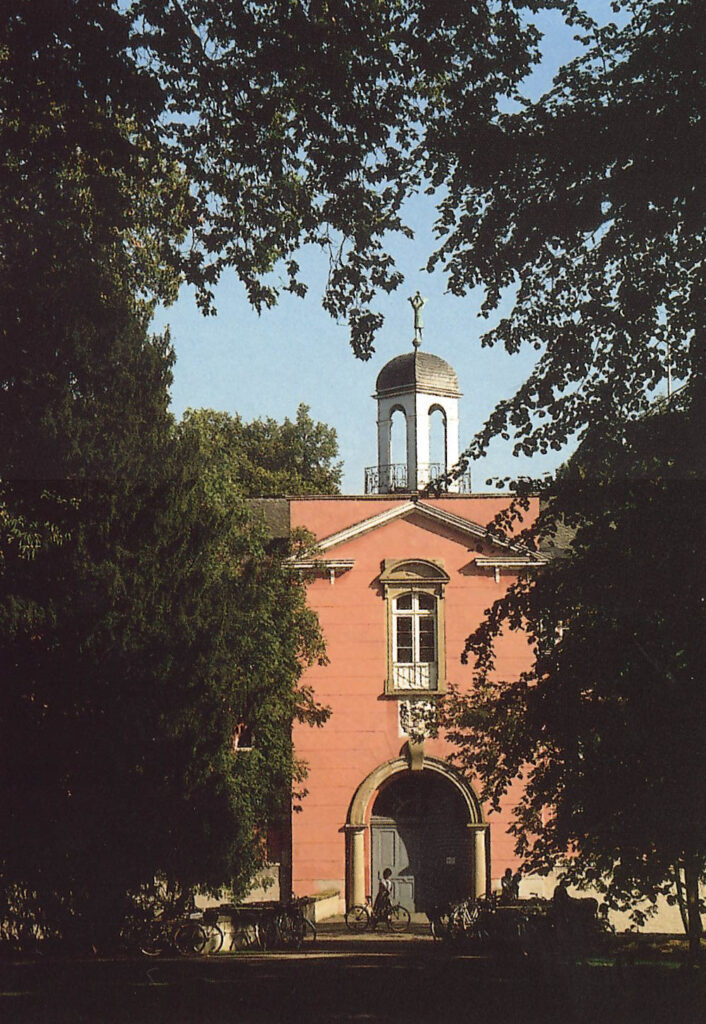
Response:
column 413, row 570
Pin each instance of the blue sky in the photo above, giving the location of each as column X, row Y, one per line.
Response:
column 267, row 365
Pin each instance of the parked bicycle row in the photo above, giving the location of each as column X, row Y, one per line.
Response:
column 534, row 927
column 230, row 929
column 153, row 932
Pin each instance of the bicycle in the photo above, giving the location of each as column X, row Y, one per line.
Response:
column 292, row 924
column 359, row 918
column 440, row 922
column 468, row 921
column 245, row 930
column 186, row 936
column 214, row 932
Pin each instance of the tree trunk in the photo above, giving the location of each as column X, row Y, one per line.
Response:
column 681, row 900
column 694, row 864
column 692, row 870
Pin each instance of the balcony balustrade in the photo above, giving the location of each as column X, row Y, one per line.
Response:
column 422, row 676
column 393, row 478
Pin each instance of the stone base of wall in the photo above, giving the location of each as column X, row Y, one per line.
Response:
column 327, row 905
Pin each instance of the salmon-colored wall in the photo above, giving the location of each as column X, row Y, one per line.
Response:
column 363, row 731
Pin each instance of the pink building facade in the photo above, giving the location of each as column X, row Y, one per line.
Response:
column 399, row 581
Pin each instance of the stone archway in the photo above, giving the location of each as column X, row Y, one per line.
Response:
column 358, row 830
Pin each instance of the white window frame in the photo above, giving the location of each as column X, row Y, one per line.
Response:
column 416, row 577
column 415, row 674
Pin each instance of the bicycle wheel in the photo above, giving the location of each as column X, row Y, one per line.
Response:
column 189, row 938
column 214, row 939
column 244, row 935
column 357, row 919
column 268, row 933
column 290, row 929
column 398, row 919
column 297, row 930
column 440, row 924
column 153, row 942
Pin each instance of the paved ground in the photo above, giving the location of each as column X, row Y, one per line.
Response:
column 345, row 979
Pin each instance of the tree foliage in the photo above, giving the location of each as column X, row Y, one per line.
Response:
column 607, row 727
column 254, row 127
column 205, row 135
column 267, row 459
column 144, row 616
column 158, row 625
column 585, row 208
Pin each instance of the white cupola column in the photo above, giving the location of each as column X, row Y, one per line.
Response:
column 384, row 448
column 423, row 430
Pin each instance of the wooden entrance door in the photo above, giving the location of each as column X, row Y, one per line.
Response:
column 418, row 830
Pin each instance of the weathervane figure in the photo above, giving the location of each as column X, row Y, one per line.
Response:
column 417, row 304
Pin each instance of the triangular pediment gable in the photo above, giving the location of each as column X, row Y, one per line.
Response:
column 501, row 556
column 419, row 509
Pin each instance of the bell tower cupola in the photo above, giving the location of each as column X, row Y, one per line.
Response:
column 417, row 385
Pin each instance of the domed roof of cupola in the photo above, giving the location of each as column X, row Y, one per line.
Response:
column 417, row 371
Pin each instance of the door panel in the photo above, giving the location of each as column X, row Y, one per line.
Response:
column 389, row 850
column 430, row 861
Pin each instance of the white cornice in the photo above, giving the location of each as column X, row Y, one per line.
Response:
column 510, row 562
column 328, row 566
column 455, row 522
column 439, row 515
column 361, row 528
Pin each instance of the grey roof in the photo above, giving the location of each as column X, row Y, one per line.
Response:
column 558, row 544
column 417, row 371
column 275, row 513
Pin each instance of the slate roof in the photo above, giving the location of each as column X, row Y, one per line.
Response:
column 275, row 513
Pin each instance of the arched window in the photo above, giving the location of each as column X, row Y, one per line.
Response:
column 438, row 455
column 399, row 457
column 414, row 592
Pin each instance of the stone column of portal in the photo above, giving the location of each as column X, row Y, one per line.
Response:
column 480, row 859
column 356, row 865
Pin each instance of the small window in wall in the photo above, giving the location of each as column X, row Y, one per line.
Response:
column 414, row 593
column 242, row 737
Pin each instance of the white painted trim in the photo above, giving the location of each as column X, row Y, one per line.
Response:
column 325, row 565
column 358, row 529
column 509, row 562
column 454, row 522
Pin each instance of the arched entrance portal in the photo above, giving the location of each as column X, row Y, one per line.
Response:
column 426, row 825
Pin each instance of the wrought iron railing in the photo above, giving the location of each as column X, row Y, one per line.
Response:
column 392, row 478
column 386, row 479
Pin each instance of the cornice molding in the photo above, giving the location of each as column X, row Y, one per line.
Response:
column 438, row 515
